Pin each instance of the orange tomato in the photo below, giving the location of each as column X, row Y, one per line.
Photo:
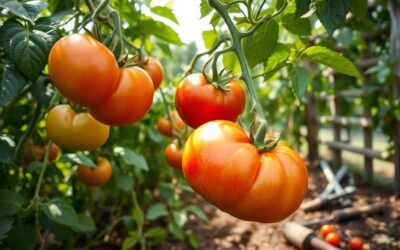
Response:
column 333, row 239
column 95, row 176
column 130, row 101
column 222, row 165
column 356, row 243
column 173, row 156
column 155, row 70
column 326, row 229
column 164, row 126
column 83, row 69
column 75, row 131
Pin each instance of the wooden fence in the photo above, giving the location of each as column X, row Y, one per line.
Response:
column 338, row 121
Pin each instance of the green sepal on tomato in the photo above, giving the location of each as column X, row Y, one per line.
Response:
column 223, row 166
column 198, row 101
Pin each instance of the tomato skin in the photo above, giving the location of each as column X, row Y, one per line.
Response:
column 53, row 151
column 356, row 243
column 326, row 229
column 173, row 156
column 130, row 101
column 333, row 239
column 95, row 176
column 165, row 127
column 155, row 70
column 83, row 69
column 75, row 131
column 222, row 165
column 198, row 102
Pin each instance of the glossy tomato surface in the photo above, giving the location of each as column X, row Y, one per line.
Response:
column 75, row 131
column 198, row 102
column 95, row 176
column 130, row 101
column 356, row 243
column 83, row 69
column 326, row 229
column 155, row 70
column 221, row 164
column 173, row 156
column 333, row 239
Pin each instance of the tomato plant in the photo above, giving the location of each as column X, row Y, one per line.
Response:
column 78, row 65
column 75, row 131
column 326, row 229
column 198, row 101
column 99, row 175
column 356, row 243
column 173, row 155
column 333, row 239
column 129, row 102
column 249, row 182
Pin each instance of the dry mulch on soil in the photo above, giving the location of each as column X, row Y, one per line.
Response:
column 224, row 232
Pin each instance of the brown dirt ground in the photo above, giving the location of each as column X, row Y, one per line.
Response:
column 379, row 231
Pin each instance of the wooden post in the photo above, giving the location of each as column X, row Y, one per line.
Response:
column 334, row 106
column 394, row 11
column 312, row 128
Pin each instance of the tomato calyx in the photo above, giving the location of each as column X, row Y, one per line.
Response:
column 264, row 142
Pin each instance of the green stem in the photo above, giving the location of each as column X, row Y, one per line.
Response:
column 215, row 61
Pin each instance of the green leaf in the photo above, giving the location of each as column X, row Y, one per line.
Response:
column 156, row 235
column 10, row 202
column 299, row 78
column 131, row 241
column 160, row 30
column 215, row 18
column 280, row 55
column 26, row 10
column 198, row 212
column 302, row 7
column 59, row 211
column 331, row 59
column 176, row 231
column 209, row 38
column 164, row 12
column 19, row 231
column 124, row 183
column 205, row 9
column 156, row 211
column 7, row 146
column 299, row 26
column 359, row 8
column 11, row 83
column 194, row 241
column 42, row 92
column 231, row 63
column 153, row 135
column 165, row 48
column 131, row 158
column 85, row 224
column 332, row 13
column 78, row 158
column 180, row 217
column 5, row 227
column 34, row 166
column 261, row 44
column 28, row 47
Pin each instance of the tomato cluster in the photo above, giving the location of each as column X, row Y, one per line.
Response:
column 86, row 72
column 333, row 238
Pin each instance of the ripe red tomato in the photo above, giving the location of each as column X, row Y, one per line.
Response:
column 165, row 127
column 222, row 165
column 95, row 176
column 333, row 239
column 173, row 155
column 326, row 229
column 198, row 102
column 129, row 102
column 84, row 70
column 74, row 131
column 155, row 70
column 356, row 243
column 53, row 151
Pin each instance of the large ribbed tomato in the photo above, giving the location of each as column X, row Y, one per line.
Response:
column 83, row 69
column 130, row 101
column 95, row 176
column 222, row 165
column 197, row 101
column 75, row 131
